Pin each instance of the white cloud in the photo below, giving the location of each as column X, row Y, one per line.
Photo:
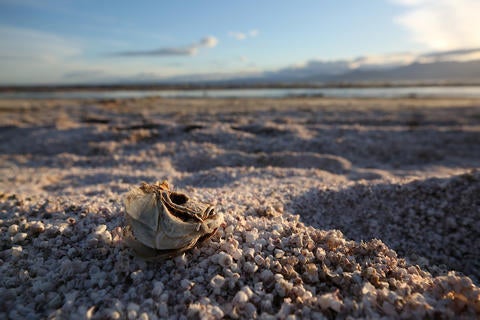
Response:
column 442, row 24
column 373, row 61
column 243, row 35
column 237, row 35
column 209, row 42
column 190, row 50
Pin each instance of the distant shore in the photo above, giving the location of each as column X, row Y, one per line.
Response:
column 225, row 85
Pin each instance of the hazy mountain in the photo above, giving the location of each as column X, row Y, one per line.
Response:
column 437, row 71
column 456, row 65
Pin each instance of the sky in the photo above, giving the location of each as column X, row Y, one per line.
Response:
column 84, row 41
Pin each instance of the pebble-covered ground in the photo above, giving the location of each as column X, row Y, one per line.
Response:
column 333, row 208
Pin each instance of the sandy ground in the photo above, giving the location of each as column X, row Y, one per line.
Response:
column 333, row 207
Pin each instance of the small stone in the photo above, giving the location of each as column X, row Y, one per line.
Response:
column 251, row 236
column 330, row 300
column 19, row 237
column 157, row 288
column 250, row 267
column 17, row 251
column 249, row 252
column 13, row 229
column 101, row 228
column 115, row 315
column 137, row 276
column 229, row 230
column 132, row 310
column 217, row 281
column 240, row 298
column 132, row 315
column 36, row 227
column 224, row 259
column 279, row 253
column 266, row 275
column 143, row 316
column 259, row 260
column 216, row 312
column 186, row 284
column 133, row 306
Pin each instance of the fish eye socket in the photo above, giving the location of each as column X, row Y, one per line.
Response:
column 212, row 212
column 178, row 198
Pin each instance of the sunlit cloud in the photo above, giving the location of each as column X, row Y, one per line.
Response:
column 453, row 55
column 208, row 42
column 442, row 24
column 386, row 60
column 237, row 35
column 243, row 35
column 190, row 50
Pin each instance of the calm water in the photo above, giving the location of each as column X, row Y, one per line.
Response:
column 469, row 92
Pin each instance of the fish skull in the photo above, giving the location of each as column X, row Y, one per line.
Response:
column 165, row 223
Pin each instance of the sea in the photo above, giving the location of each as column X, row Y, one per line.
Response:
column 370, row 92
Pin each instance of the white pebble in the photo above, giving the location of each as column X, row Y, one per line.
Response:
column 259, row 260
column 13, row 229
column 101, row 228
column 224, row 259
column 240, row 298
column 17, row 251
column 251, row 236
column 250, row 267
column 37, row 227
column 106, row 236
column 216, row 312
column 329, row 300
column 247, row 291
column 115, row 315
column 19, row 237
column 143, row 316
column 229, row 230
column 249, row 252
column 217, row 281
column 279, row 253
column 132, row 315
column 132, row 309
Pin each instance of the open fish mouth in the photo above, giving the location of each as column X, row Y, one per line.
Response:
column 164, row 221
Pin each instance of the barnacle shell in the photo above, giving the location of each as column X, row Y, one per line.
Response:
column 165, row 223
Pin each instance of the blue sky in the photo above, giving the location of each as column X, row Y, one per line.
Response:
column 67, row 41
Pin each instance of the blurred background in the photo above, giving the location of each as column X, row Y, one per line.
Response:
column 300, row 44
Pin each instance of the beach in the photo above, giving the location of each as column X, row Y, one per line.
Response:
column 334, row 208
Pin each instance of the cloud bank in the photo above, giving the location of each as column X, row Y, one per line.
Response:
column 190, row 50
column 442, row 24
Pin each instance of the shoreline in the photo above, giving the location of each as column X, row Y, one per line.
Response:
column 204, row 86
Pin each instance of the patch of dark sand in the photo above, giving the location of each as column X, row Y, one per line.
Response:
column 436, row 219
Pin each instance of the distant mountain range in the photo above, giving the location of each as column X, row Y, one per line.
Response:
column 448, row 71
column 456, row 66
